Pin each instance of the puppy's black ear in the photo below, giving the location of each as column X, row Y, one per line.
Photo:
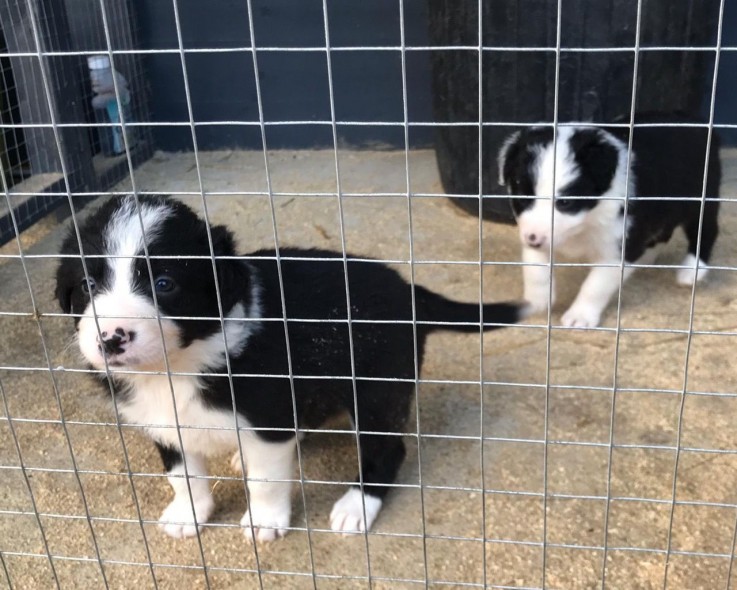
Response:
column 65, row 273
column 233, row 275
column 64, row 289
column 223, row 243
column 234, row 278
column 507, row 152
column 596, row 155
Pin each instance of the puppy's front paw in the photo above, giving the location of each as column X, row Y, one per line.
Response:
column 686, row 276
column 265, row 523
column 347, row 513
column 581, row 316
column 178, row 519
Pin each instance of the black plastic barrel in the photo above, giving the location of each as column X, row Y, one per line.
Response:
column 518, row 73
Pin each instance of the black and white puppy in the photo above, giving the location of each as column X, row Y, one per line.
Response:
column 592, row 162
column 143, row 325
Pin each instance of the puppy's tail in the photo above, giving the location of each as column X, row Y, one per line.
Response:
column 464, row 317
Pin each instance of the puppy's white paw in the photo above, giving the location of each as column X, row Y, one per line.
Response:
column 581, row 316
column 685, row 276
column 178, row 519
column 235, row 463
column 347, row 513
column 269, row 522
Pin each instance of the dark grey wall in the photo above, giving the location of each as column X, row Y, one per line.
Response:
column 294, row 85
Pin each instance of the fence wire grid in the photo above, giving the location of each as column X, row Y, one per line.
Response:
column 539, row 456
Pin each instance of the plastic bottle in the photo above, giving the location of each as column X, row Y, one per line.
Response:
column 106, row 106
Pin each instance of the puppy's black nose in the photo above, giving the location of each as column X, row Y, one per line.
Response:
column 534, row 241
column 114, row 344
column 111, row 345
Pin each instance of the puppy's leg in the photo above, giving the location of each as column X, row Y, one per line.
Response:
column 178, row 519
column 537, row 279
column 381, row 457
column 709, row 232
column 269, row 501
column 598, row 288
column 382, row 408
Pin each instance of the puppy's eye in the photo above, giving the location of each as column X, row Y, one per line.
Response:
column 164, row 285
column 564, row 205
column 89, row 286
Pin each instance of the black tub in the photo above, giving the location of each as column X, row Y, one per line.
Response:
column 519, row 84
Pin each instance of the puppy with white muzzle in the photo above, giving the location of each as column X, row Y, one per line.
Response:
column 572, row 194
column 188, row 355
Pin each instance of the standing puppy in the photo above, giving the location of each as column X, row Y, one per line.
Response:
column 585, row 203
column 148, row 312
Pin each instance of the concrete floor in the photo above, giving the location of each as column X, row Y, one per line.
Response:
column 452, row 554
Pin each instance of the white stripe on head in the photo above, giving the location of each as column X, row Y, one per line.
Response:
column 125, row 234
column 566, row 168
column 501, row 158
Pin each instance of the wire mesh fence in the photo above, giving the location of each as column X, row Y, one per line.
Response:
column 538, row 456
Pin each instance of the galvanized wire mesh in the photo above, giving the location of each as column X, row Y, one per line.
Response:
column 256, row 563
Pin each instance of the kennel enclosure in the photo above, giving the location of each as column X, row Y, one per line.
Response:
column 346, row 125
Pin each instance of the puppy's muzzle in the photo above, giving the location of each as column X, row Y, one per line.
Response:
column 534, row 240
column 113, row 343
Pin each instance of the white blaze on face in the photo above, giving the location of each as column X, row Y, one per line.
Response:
column 119, row 308
column 553, row 170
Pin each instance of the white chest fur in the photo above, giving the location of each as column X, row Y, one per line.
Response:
column 599, row 239
column 204, row 430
